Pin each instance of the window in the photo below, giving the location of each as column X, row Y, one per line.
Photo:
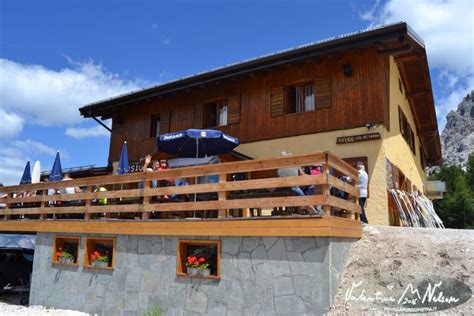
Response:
column 406, row 130
column 66, row 250
column 155, row 126
column 216, row 114
column 99, row 253
column 300, row 98
column 422, row 159
column 199, row 258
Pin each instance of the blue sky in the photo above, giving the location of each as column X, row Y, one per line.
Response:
column 56, row 56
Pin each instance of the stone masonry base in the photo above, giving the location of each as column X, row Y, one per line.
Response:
column 259, row 275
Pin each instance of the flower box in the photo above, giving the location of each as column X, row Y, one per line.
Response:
column 100, row 264
column 192, row 271
column 66, row 250
column 205, row 272
column 99, row 253
column 66, row 260
column 198, row 259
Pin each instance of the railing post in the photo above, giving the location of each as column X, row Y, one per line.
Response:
column 146, row 199
column 326, row 189
column 44, row 193
column 8, row 206
column 222, row 196
column 87, row 216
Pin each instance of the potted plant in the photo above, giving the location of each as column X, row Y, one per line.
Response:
column 100, row 261
column 192, row 265
column 64, row 256
column 203, row 268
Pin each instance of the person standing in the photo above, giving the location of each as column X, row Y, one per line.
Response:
column 362, row 185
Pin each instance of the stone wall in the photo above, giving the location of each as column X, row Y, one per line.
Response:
column 259, row 275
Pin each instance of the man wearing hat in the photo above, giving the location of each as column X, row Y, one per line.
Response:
column 362, row 185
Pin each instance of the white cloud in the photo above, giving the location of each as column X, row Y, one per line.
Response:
column 31, row 146
column 11, row 124
column 83, row 132
column 36, row 95
column 15, row 154
column 447, row 28
column 49, row 97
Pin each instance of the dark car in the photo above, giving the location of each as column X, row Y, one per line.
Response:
column 16, row 265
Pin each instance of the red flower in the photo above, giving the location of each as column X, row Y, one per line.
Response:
column 202, row 259
column 58, row 254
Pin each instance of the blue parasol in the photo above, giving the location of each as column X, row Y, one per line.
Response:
column 56, row 172
column 197, row 143
column 26, row 178
column 123, row 166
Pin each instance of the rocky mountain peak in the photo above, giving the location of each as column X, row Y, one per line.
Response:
column 457, row 139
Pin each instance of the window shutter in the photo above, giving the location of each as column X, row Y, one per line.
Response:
column 395, row 177
column 233, row 110
column 198, row 120
column 277, row 101
column 400, row 121
column 164, row 122
column 322, row 87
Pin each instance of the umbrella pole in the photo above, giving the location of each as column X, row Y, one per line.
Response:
column 195, row 177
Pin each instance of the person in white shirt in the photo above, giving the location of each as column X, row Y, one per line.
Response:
column 362, row 185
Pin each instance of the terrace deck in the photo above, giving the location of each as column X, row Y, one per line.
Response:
column 132, row 207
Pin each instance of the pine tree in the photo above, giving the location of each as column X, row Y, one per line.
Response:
column 456, row 209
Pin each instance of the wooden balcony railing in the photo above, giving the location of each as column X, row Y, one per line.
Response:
column 132, row 196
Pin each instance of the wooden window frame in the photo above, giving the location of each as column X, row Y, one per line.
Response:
column 406, row 130
column 154, row 132
column 90, row 247
column 182, row 255
column 295, row 86
column 215, row 103
column 59, row 242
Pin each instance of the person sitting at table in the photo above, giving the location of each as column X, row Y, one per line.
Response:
column 70, row 190
column 293, row 172
column 157, row 166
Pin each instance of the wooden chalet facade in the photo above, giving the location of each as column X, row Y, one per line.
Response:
column 307, row 99
column 364, row 96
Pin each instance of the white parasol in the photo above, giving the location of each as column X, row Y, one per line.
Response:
column 35, row 176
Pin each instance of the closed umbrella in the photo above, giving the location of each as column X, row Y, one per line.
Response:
column 26, row 178
column 56, row 172
column 197, row 143
column 36, row 174
column 123, row 166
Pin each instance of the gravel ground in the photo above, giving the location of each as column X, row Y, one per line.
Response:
column 387, row 257
column 18, row 310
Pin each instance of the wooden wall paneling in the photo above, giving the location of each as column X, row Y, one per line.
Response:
column 233, row 114
column 165, row 122
column 277, row 101
column 355, row 101
column 198, row 120
column 322, row 88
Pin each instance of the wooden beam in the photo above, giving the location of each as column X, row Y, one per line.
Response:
column 176, row 207
column 188, row 172
column 419, row 94
column 302, row 226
